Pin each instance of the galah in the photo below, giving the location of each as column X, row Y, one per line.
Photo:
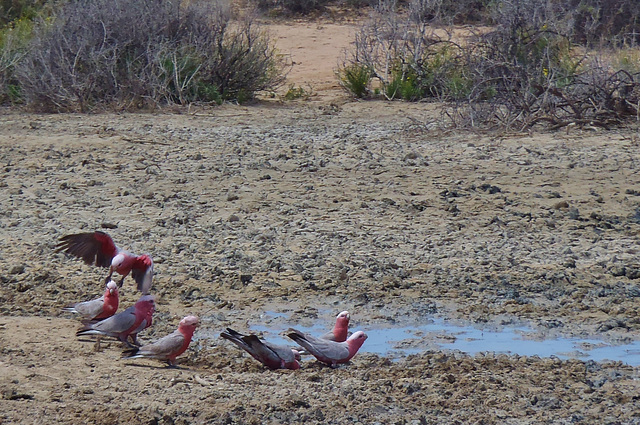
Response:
column 100, row 308
column 271, row 355
column 168, row 347
column 97, row 248
column 329, row 352
column 127, row 323
column 340, row 330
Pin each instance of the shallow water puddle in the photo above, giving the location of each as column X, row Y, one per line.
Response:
column 439, row 334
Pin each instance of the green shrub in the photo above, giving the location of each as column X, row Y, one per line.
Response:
column 295, row 93
column 356, row 78
column 14, row 41
column 12, row 10
column 407, row 57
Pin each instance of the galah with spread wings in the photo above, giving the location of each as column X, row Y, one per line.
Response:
column 168, row 347
column 97, row 248
column 329, row 352
column 271, row 355
column 100, row 308
column 340, row 330
column 127, row 323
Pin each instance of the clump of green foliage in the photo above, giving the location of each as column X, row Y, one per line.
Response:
column 355, row 78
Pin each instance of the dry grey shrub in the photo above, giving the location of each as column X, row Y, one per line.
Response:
column 522, row 71
column 145, row 52
column 450, row 12
column 526, row 71
column 404, row 56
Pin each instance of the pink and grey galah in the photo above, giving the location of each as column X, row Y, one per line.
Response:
column 340, row 330
column 329, row 352
column 169, row 347
column 100, row 308
column 97, row 248
column 271, row 355
column 127, row 323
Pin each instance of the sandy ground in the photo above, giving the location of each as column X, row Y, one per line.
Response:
column 308, row 208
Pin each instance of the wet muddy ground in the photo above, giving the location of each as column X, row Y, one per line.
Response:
column 284, row 215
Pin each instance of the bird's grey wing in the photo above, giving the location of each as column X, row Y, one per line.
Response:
column 263, row 350
column 90, row 309
column 281, row 351
column 163, row 347
column 320, row 348
column 118, row 323
column 333, row 350
column 329, row 336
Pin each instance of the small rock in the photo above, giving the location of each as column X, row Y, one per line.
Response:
column 18, row 269
column 574, row 214
column 560, row 205
column 632, row 272
column 489, row 188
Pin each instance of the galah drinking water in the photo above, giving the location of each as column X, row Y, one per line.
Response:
column 271, row 355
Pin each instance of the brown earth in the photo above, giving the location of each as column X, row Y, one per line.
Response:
column 321, row 205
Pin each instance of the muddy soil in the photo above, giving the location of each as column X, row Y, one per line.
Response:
column 308, row 208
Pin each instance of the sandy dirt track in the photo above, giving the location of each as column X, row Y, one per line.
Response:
column 310, row 208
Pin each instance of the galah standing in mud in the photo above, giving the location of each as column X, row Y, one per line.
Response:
column 329, row 352
column 127, row 323
column 100, row 308
column 340, row 330
column 97, row 248
column 168, row 347
column 271, row 355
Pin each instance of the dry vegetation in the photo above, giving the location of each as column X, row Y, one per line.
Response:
column 533, row 63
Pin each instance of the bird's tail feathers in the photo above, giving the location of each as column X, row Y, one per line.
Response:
column 70, row 309
column 131, row 353
column 296, row 335
column 87, row 331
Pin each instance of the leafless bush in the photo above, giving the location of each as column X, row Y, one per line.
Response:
column 609, row 22
column 406, row 58
column 521, row 72
column 290, row 7
column 139, row 52
column 526, row 72
column 449, row 12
